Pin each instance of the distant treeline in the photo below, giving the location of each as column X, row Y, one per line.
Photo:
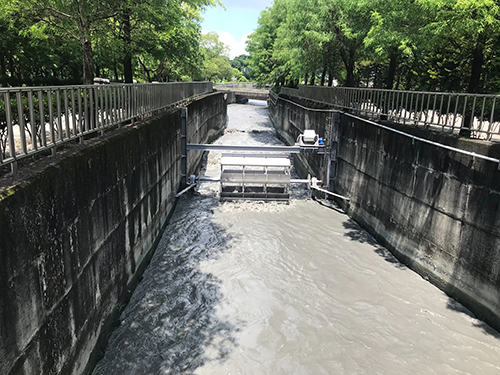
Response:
column 429, row 45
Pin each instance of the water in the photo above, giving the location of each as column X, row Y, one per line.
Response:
column 254, row 288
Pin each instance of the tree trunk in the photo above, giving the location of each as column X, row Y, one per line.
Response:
column 127, row 46
column 3, row 68
column 323, row 77
column 391, row 74
column 330, row 78
column 117, row 79
column 306, row 78
column 88, row 62
column 476, row 68
column 408, row 80
column 148, row 72
column 12, row 66
column 474, row 84
column 349, row 79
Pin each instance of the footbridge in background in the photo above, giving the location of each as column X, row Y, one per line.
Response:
column 245, row 93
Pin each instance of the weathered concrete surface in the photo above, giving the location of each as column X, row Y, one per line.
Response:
column 437, row 210
column 206, row 121
column 76, row 236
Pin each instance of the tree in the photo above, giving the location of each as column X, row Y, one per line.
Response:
column 299, row 40
column 159, row 39
column 394, row 36
column 470, row 25
column 215, row 52
column 307, row 39
column 163, row 35
column 34, row 59
column 241, row 63
column 75, row 19
column 263, row 64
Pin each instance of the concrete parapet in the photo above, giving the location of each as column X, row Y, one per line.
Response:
column 77, row 234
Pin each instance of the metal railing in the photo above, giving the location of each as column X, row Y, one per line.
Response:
column 274, row 99
column 474, row 115
column 35, row 119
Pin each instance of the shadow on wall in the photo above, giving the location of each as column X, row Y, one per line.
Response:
column 358, row 234
column 171, row 324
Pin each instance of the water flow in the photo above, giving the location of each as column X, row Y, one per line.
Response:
column 267, row 288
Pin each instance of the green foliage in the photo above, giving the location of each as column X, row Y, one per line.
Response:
column 63, row 42
column 422, row 45
column 264, row 66
column 216, row 63
column 29, row 60
column 165, row 38
column 241, row 63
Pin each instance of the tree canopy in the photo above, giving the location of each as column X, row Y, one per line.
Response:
column 444, row 45
column 215, row 55
column 58, row 42
column 241, row 64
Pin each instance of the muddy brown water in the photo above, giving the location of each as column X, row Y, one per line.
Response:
column 268, row 288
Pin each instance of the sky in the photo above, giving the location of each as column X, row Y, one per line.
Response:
column 235, row 23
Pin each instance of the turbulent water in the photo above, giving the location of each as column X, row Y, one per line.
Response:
column 267, row 288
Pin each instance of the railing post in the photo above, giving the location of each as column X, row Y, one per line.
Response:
column 10, row 132
column 20, row 114
column 184, row 114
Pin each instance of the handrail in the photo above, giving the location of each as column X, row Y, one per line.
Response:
column 413, row 137
column 35, row 119
column 477, row 115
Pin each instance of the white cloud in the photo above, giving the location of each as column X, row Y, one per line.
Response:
column 236, row 48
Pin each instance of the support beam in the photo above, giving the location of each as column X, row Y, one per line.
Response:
column 238, row 148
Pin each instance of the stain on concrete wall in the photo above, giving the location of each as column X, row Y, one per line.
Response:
column 76, row 236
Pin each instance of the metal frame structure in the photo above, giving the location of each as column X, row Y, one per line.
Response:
column 35, row 119
column 255, row 176
column 269, row 178
column 239, row 148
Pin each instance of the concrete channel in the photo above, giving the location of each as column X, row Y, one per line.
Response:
column 298, row 288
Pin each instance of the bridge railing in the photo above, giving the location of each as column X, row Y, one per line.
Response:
column 37, row 119
column 475, row 115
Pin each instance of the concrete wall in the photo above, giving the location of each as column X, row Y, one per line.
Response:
column 290, row 121
column 437, row 210
column 206, row 121
column 76, row 236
